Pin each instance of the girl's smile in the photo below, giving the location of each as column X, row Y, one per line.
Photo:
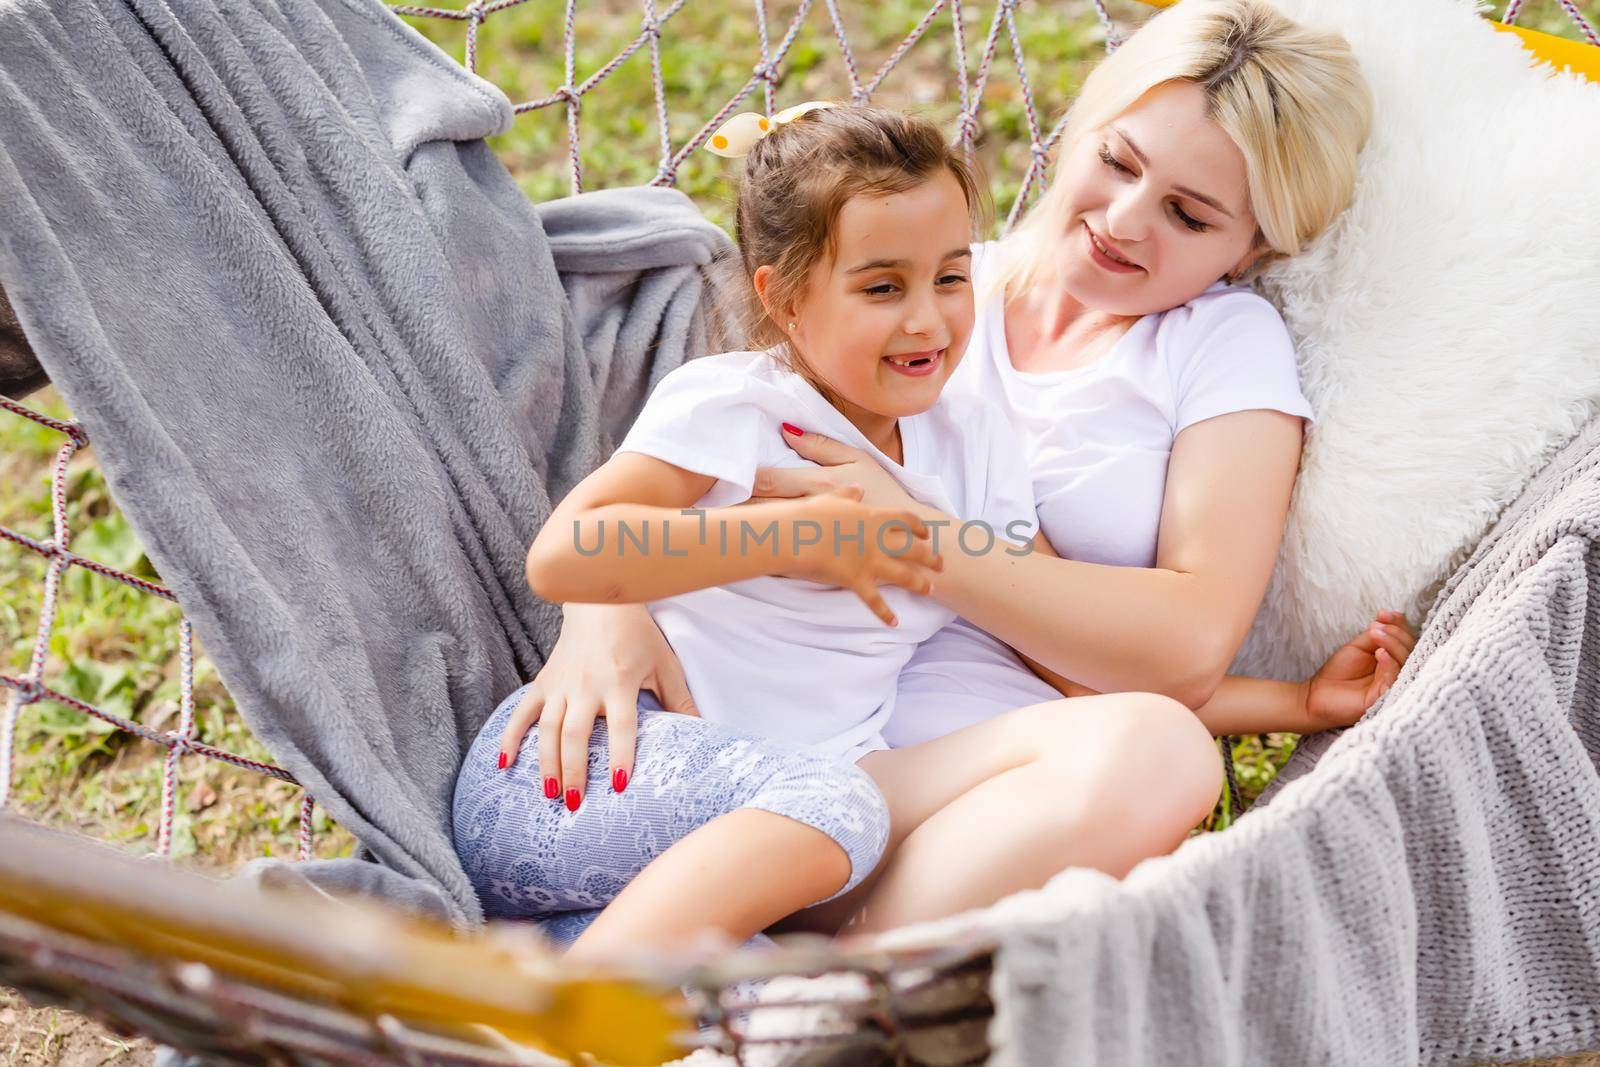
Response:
column 917, row 364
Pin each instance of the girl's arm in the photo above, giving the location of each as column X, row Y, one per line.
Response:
column 607, row 540
column 1173, row 628
column 626, row 534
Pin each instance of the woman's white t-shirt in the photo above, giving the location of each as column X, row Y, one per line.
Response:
column 785, row 657
column 1097, row 440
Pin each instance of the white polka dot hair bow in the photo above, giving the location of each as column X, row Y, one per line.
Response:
column 739, row 134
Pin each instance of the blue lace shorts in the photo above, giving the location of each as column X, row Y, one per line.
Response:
column 530, row 858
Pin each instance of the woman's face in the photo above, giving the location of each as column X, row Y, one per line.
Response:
column 1163, row 187
column 884, row 321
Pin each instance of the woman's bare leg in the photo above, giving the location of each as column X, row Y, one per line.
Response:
column 1003, row 805
column 735, row 875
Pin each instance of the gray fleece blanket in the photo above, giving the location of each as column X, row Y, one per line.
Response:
column 334, row 365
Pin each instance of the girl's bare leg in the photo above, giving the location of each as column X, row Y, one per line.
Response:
column 1002, row 805
column 735, row 875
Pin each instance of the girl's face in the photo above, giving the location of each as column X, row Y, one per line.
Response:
column 884, row 321
column 1163, row 187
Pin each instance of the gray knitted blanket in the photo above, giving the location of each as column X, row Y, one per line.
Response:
column 334, row 365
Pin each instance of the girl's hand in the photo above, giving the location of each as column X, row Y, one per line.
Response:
column 889, row 546
column 841, row 465
column 1359, row 672
column 605, row 654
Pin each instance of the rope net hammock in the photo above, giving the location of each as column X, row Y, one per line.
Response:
column 121, row 957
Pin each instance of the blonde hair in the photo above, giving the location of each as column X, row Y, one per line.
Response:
column 1292, row 98
column 796, row 181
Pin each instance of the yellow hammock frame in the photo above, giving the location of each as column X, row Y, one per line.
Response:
column 1559, row 52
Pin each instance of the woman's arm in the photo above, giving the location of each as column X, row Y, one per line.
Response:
column 1239, row 706
column 1227, row 492
column 1338, row 694
column 1173, row 628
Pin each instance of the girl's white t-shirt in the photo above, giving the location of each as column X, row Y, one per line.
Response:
column 786, row 657
column 1097, row 440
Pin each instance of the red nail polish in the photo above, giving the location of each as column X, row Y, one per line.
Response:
column 572, row 800
column 552, row 788
column 502, row 761
column 619, row 780
column 792, row 428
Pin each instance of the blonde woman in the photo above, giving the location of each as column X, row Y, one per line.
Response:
column 1158, row 404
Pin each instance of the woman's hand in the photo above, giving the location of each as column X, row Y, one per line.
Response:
column 1359, row 672
column 604, row 655
column 889, row 546
column 841, row 465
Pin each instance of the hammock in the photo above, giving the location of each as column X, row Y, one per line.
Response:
column 416, row 138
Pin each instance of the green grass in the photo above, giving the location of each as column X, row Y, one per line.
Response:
column 116, row 648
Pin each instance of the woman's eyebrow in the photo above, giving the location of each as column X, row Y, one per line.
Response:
column 876, row 264
column 1190, row 193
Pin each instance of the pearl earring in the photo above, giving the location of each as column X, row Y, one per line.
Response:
column 792, row 325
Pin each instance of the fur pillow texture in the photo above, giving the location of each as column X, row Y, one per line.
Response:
column 1447, row 324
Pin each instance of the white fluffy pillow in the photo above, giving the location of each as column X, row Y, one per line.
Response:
column 1448, row 324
